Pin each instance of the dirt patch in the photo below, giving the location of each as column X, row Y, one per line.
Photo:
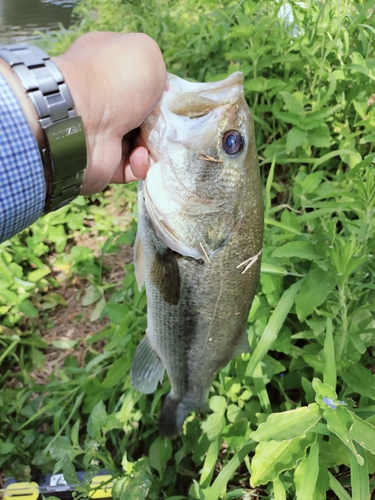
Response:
column 71, row 321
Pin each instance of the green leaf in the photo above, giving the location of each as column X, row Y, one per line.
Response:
column 339, row 422
column 285, row 225
column 115, row 312
column 55, row 298
column 359, row 477
column 292, row 104
column 210, row 463
column 137, row 487
column 262, row 84
column 313, row 292
column 279, row 489
column 62, row 447
column 97, row 421
column 218, row 403
column 6, row 447
column 357, row 58
column 363, row 433
column 333, row 452
column 28, row 309
column 273, row 457
column 354, row 154
column 319, row 137
column 294, row 139
column 65, row 343
column 273, row 327
column 213, row 425
column 323, row 391
column 337, row 488
column 159, row 454
column 37, row 275
column 69, row 471
column 322, row 483
column 367, row 138
column 306, row 474
column 299, row 249
column 360, row 107
column 220, row 483
column 117, row 372
column 360, row 380
column 92, row 295
column 74, row 433
column 260, row 388
column 288, row 424
column 98, row 309
column 272, row 269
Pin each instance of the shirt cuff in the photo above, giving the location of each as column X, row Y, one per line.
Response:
column 22, row 183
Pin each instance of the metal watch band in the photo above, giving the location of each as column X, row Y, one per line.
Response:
column 64, row 157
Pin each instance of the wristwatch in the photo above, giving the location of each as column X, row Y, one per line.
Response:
column 63, row 153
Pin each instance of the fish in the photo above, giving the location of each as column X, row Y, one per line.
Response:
column 199, row 241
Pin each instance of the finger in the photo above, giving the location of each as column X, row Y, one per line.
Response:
column 133, row 167
column 118, row 176
column 139, row 162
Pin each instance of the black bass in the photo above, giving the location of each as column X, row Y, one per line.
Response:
column 199, row 241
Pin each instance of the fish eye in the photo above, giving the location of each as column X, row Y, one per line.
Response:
column 232, row 142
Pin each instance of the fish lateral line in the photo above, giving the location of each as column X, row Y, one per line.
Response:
column 249, row 262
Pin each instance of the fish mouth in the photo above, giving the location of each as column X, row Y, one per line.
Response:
column 190, row 101
column 235, row 79
column 195, row 100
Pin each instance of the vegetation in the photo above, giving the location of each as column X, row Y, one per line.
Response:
column 296, row 418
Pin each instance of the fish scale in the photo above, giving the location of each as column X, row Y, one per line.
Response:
column 200, row 222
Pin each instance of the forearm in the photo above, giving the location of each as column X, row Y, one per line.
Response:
column 25, row 103
column 22, row 184
column 19, row 207
column 115, row 80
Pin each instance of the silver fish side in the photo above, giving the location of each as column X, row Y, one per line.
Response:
column 199, row 241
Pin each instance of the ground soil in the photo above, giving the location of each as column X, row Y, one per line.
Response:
column 71, row 321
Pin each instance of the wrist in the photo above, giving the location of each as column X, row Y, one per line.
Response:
column 60, row 135
column 25, row 103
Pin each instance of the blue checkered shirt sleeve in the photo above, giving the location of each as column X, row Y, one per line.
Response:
column 22, row 184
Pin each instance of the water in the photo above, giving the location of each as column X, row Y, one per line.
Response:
column 19, row 19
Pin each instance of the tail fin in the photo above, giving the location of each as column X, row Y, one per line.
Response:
column 172, row 417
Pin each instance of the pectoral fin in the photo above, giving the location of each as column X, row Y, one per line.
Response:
column 165, row 275
column 147, row 369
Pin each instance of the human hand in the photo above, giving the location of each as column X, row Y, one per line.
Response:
column 115, row 80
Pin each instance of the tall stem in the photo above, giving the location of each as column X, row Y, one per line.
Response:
column 344, row 334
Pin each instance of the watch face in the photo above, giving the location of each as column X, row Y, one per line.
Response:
column 67, row 150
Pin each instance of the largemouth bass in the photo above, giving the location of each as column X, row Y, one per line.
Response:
column 199, row 241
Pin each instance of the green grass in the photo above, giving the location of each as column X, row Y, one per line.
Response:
column 296, row 418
